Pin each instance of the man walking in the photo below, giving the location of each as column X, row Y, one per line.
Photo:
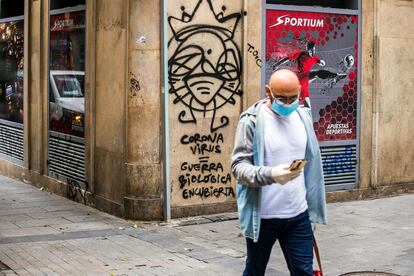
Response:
column 275, row 203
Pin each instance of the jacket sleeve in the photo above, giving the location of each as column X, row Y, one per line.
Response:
column 242, row 164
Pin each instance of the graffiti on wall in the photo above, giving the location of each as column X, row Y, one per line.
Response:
column 203, row 171
column 205, row 67
column 204, row 75
column 339, row 163
column 255, row 53
column 134, row 85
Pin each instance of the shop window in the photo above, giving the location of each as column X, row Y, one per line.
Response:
column 339, row 4
column 67, row 65
column 66, row 160
column 11, row 78
column 11, row 71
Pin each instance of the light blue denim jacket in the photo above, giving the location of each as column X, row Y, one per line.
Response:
column 247, row 166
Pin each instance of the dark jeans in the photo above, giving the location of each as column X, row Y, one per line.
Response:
column 295, row 238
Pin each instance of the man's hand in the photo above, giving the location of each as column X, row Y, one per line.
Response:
column 282, row 175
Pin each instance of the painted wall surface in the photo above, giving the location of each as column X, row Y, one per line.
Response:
column 394, row 103
column 205, row 70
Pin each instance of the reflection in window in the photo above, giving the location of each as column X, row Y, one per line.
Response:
column 68, row 85
column 11, row 71
column 67, row 63
column 66, row 152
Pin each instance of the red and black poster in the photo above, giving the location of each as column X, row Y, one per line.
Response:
column 322, row 48
column 67, row 41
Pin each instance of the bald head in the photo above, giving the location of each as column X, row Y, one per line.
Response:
column 283, row 83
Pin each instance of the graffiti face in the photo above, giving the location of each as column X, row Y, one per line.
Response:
column 205, row 66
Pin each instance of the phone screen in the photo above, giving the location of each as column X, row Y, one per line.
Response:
column 297, row 164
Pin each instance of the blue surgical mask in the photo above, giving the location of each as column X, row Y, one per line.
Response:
column 284, row 109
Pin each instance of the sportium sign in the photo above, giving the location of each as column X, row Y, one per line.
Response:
column 300, row 22
column 322, row 49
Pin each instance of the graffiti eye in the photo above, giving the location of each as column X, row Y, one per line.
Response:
column 185, row 60
column 228, row 65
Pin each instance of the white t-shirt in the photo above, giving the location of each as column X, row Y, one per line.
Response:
column 284, row 141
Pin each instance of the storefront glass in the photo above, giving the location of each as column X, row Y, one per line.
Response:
column 66, row 92
column 66, row 76
column 11, row 78
column 11, row 71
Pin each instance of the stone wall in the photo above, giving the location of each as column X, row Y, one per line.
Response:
column 394, row 82
column 145, row 186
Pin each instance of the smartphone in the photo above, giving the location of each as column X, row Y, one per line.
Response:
column 297, row 164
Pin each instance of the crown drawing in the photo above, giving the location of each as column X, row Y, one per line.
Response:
column 188, row 21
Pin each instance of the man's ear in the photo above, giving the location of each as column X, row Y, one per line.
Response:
column 300, row 90
column 267, row 90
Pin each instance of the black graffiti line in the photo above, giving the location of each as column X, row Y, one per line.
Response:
column 229, row 100
column 227, row 72
column 178, row 61
column 222, row 19
column 185, row 17
column 189, row 56
column 182, row 114
column 205, row 104
column 239, row 92
column 181, row 67
column 227, row 68
column 197, row 82
column 174, row 61
column 224, row 120
column 178, row 89
column 176, row 100
column 234, row 57
column 203, row 88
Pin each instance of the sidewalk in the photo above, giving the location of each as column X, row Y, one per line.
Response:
column 44, row 234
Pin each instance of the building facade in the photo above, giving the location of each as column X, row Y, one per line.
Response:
column 131, row 106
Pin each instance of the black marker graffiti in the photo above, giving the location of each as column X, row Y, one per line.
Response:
column 201, row 144
column 74, row 190
column 255, row 54
column 206, row 66
column 204, row 172
column 134, row 85
column 208, row 192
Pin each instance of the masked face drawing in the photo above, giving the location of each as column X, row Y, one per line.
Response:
column 204, row 71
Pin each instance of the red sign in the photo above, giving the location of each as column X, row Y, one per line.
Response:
column 67, row 21
column 321, row 48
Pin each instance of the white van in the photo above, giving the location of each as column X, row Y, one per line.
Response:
column 67, row 101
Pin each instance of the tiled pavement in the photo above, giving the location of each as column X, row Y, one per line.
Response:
column 44, row 234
